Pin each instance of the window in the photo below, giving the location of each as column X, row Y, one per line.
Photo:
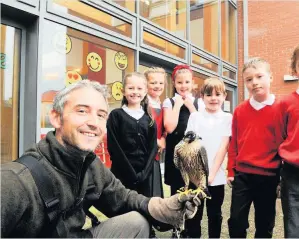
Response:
column 93, row 15
column 203, row 62
column 170, row 15
column 70, row 56
column 9, row 85
column 163, row 45
column 228, row 32
column 229, row 74
column 204, row 25
column 228, row 103
column 198, row 81
column 128, row 4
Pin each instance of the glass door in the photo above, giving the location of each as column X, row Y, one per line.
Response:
column 229, row 103
column 9, row 85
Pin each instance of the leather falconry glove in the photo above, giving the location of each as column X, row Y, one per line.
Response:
column 174, row 210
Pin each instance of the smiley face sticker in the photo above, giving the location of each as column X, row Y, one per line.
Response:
column 121, row 60
column 116, row 90
column 94, row 61
column 72, row 77
column 62, row 43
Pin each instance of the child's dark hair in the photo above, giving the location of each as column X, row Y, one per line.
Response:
column 144, row 103
column 212, row 83
column 294, row 59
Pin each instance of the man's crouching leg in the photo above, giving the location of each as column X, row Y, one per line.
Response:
column 129, row 225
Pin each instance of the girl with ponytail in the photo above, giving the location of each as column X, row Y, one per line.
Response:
column 132, row 137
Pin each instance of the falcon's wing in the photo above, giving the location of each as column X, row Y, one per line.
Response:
column 203, row 157
column 176, row 155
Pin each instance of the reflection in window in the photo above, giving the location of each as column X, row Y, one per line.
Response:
column 171, row 15
column 129, row 4
column 229, row 74
column 93, row 15
column 198, row 80
column 70, row 56
column 228, row 103
column 198, row 60
column 9, row 86
column 163, row 45
column 168, row 90
column 204, row 25
column 228, row 31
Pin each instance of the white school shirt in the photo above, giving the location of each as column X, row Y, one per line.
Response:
column 259, row 105
column 153, row 103
column 135, row 113
column 200, row 103
column 211, row 128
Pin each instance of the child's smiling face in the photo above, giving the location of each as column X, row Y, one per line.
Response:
column 155, row 84
column 183, row 83
column 135, row 90
column 213, row 101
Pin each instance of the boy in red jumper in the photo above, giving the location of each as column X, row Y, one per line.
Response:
column 253, row 162
column 288, row 133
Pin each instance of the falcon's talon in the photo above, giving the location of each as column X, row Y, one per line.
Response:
column 182, row 192
column 198, row 191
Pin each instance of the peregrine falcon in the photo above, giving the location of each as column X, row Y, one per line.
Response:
column 190, row 157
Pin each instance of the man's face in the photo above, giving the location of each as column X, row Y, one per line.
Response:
column 83, row 121
column 257, row 81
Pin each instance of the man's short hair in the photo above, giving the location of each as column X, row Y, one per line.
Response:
column 61, row 96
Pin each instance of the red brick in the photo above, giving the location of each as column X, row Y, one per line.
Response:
column 273, row 32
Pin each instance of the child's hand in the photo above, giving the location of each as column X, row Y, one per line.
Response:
column 189, row 104
column 230, row 181
column 210, row 179
column 161, row 144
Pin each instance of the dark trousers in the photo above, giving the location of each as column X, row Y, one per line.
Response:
column 214, row 213
column 261, row 190
column 290, row 200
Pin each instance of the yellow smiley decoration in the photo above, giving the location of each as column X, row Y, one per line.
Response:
column 121, row 60
column 94, row 61
column 62, row 43
column 116, row 90
column 72, row 77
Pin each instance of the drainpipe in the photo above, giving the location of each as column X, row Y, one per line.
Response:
column 245, row 26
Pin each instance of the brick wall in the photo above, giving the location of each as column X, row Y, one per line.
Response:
column 273, row 32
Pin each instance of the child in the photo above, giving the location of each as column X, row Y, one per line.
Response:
column 176, row 113
column 288, row 134
column 253, row 163
column 214, row 127
column 132, row 137
column 156, row 78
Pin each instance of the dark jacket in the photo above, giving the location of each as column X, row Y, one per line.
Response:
column 22, row 210
column 132, row 145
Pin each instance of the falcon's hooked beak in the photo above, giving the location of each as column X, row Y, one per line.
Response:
column 190, row 137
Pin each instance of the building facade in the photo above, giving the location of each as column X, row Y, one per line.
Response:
column 47, row 45
column 269, row 29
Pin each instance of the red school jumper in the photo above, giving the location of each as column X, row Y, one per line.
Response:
column 253, row 147
column 288, row 123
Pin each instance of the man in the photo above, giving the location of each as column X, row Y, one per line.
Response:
column 79, row 117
